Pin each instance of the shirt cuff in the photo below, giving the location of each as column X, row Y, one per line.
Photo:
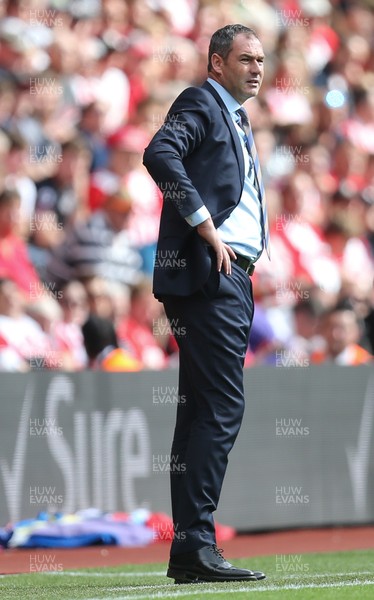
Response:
column 199, row 216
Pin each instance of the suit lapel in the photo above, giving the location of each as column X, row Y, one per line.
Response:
column 234, row 134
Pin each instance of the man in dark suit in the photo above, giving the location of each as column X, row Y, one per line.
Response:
column 213, row 228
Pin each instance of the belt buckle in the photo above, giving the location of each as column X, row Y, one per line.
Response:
column 246, row 264
column 250, row 269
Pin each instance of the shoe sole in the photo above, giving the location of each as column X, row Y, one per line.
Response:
column 185, row 578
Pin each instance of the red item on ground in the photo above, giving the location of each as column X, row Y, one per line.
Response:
column 162, row 526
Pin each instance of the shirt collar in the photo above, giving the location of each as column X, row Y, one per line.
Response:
column 231, row 104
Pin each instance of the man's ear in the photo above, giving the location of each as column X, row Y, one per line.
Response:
column 217, row 62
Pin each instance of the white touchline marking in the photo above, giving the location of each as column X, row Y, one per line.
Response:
column 110, row 574
column 247, row 590
column 163, row 574
column 321, row 575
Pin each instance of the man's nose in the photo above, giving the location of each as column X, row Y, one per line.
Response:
column 255, row 67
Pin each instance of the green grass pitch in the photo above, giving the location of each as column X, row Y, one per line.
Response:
column 342, row 576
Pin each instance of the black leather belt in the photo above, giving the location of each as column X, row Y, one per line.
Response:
column 245, row 263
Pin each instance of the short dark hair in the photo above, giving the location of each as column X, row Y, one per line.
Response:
column 4, row 281
column 75, row 144
column 222, row 40
column 343, row 305
column 9, row 196
column 98, row 333
column 308, row 306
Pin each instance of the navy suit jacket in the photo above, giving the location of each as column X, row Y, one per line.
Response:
column 196, row 159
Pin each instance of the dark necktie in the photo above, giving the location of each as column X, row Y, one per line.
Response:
column 251, row 147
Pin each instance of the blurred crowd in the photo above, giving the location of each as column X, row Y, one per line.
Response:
column 84, row 84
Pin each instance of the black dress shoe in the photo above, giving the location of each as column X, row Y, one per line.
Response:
column 207, row 564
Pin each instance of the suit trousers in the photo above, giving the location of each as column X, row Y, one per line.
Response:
column 212, row 329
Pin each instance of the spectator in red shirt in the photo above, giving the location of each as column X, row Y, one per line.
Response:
column 24, row 343
column 138, row 330
column 14, row 261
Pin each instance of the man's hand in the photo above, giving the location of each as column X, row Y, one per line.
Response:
column 224, row 253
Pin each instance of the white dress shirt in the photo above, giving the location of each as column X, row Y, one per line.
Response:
column 242, row 230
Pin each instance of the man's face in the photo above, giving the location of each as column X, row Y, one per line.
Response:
column 9, row 217
column 10, row 299
column 341, row 331
column 118, row 219
column 242, row 72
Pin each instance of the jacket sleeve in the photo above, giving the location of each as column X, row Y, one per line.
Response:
column 185, row 128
